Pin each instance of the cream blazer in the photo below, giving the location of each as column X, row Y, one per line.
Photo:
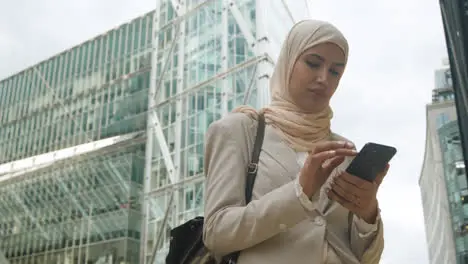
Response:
column 274, row 227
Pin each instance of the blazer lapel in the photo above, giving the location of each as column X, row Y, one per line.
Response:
column 280, row 152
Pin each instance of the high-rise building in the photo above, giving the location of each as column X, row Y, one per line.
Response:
column 443, row 182
column 101, row 146
column 455, row 21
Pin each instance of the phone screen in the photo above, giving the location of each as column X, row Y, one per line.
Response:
column 371, row 160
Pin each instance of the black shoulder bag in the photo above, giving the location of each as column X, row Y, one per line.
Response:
column 186, row 245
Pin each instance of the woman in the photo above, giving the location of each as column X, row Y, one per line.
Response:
column 302, row 198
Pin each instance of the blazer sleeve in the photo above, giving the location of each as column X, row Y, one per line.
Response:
column 230, row 225
column 368, row 247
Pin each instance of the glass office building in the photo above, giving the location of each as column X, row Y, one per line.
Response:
column 102, row 144
column 443, row 180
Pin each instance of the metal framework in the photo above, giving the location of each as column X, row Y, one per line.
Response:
column 129, row 110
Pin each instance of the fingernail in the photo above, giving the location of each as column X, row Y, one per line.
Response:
column 350, row 144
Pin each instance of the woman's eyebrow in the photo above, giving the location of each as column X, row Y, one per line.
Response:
column 339, row 64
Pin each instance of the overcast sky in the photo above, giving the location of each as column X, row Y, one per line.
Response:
column 394, row 48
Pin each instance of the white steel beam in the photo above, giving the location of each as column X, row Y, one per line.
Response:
column 180, row 87
column 174, row 202
column 154, row 124
column 285, row 5
column 224, row 56
column 154, row 129
column 145, row 205
column 178, row 6
column 264, row 67
column 173, row 167
column 248, row 90
column 161, row 230
column 163, row 146
column 243, row 24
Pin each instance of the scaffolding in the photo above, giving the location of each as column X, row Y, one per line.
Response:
column 128, row 111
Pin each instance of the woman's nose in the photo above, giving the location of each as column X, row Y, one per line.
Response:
column 323, row 75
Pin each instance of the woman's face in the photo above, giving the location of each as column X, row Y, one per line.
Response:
column 315, row 77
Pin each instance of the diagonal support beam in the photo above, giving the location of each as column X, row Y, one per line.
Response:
column 63, row 186
column 164, row 148
column 179, row 7
column 117, row 173
column 243, row 25
column 286, row 7
column 161, row 230
column 26, row 210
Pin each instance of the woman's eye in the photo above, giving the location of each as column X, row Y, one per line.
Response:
column 313, row 64
column 335, row 73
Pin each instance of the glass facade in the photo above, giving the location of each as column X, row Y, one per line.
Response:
column 96, row 90
column 457, row 189
column 88, row 207
column 102, row 145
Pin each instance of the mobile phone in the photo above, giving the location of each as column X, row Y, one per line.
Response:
column 371, row 160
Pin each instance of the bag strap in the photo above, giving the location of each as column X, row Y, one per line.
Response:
column 253, row 165
column 350, row 224
column 252, row 169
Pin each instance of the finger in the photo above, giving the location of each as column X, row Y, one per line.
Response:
column 317, row 159
column 329, row 166
column 332, row 145
column 352, row 191
column 332, row 195
column 381, row 176
column 346, row 152
column 346, row 195
column 355, row 181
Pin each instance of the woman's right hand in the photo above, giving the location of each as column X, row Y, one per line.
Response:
column 325, row 157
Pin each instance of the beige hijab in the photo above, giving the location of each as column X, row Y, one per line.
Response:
column 300, row 130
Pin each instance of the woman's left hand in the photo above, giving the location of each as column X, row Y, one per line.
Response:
column 357, row 195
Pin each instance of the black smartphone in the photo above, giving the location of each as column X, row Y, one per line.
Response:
column 371, row 160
